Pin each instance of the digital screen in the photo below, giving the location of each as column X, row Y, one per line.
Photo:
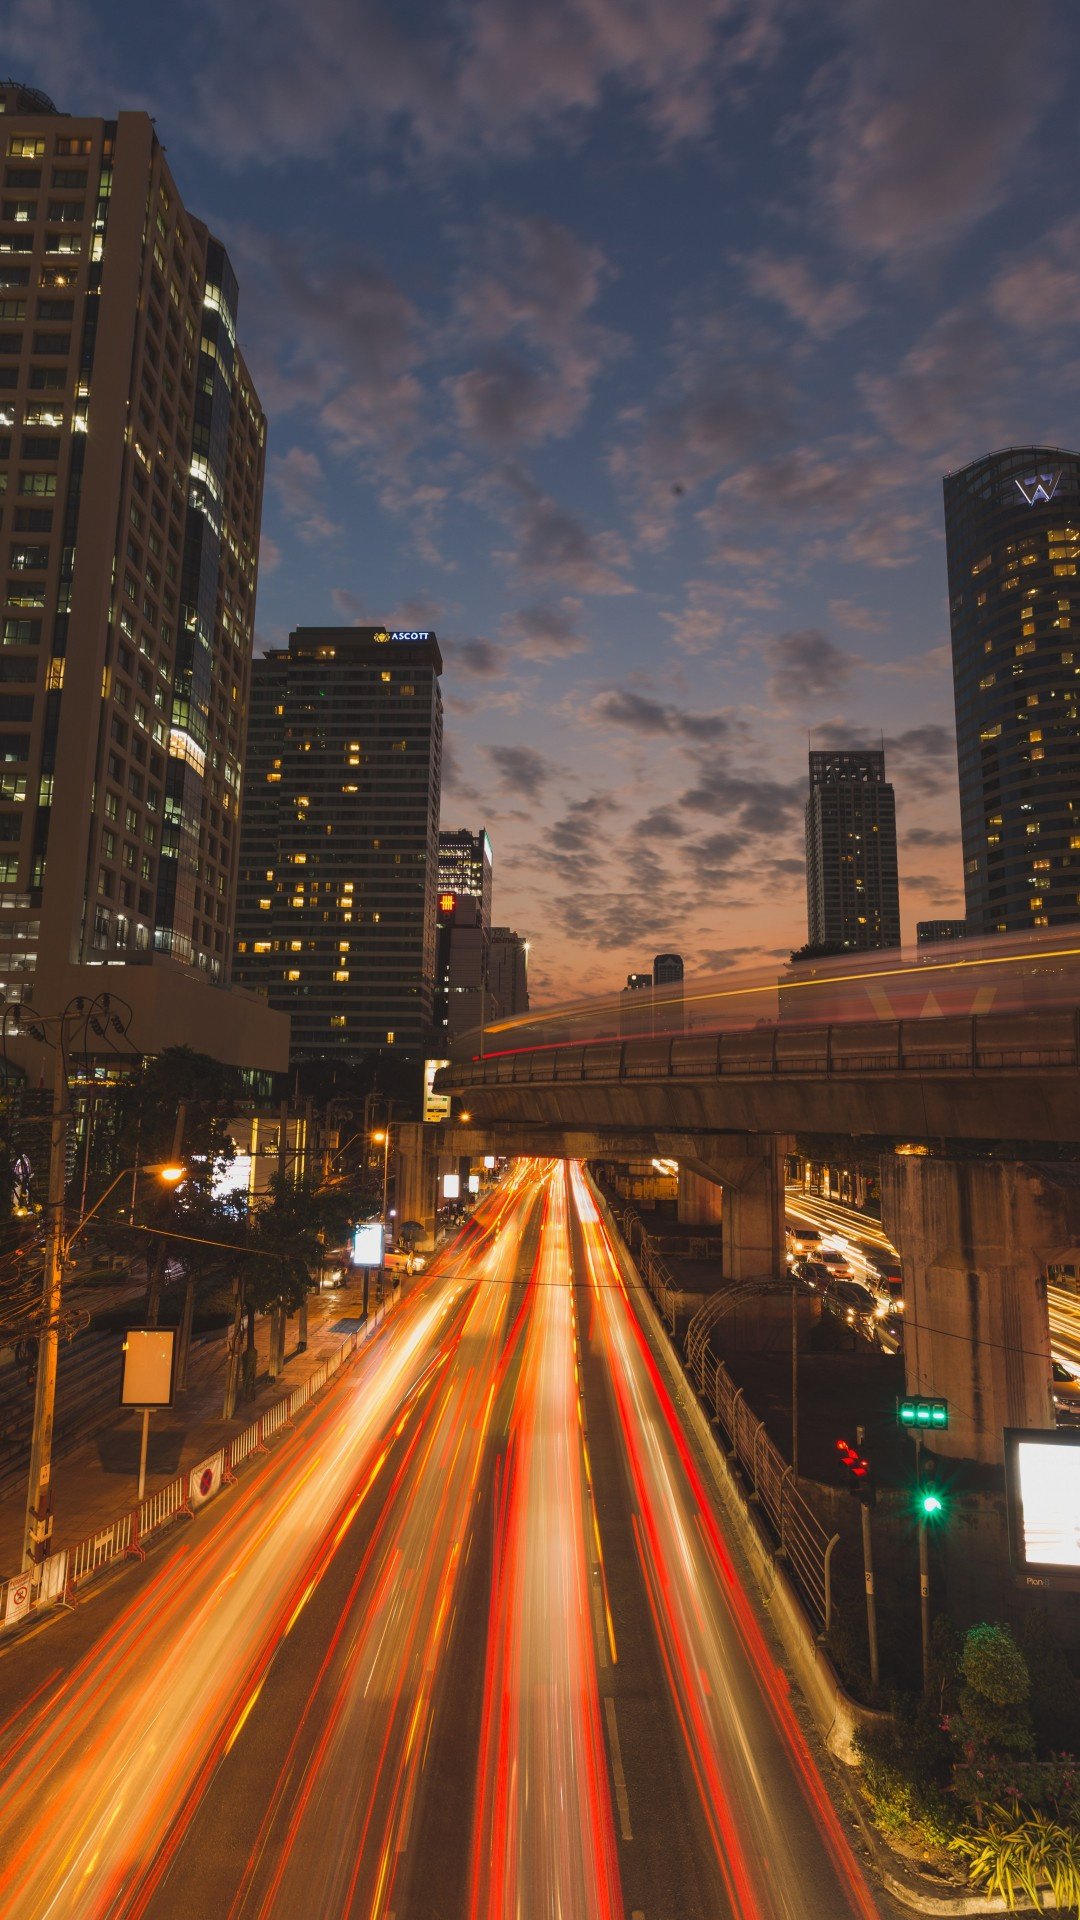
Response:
column 147, row 1379
column 367, row 1244
column 474, row 1183
column 1042, row 1471
column 489, row 1161
column 451, row 1186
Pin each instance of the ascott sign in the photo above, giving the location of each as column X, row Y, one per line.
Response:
column 418, row 633
column 1042, row 1486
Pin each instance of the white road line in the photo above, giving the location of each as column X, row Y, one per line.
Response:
column 598, row 1624
column 621, row 1800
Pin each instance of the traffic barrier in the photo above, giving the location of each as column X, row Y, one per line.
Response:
column 163, row 1506
column 57, row 1579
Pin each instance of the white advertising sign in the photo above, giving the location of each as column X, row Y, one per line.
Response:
column 367, row 1245
column 451, row 1186
column 149, row 1354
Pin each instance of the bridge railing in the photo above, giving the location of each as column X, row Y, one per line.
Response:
column 973, row 1043
column 656, row 1275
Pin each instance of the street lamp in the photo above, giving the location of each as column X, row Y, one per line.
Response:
column 57, row 1257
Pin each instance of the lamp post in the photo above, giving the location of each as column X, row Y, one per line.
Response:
column 382, row 1138
column 57, row 1254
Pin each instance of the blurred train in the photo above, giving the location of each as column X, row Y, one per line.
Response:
column 1010, row 974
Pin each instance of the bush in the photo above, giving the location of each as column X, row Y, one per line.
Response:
column 905, row 1768
column 1009, row 1856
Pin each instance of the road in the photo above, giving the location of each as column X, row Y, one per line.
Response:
column 864, row 1244
column 470, row 1644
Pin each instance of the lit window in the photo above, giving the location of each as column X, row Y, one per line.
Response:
column 386, row 676
column 264, row 905
column 340, row 974
column 295, row 946
column 262, row 946
column 337, row 1019
column 390, row 1038
column 990, row 733
column 292, row 973
column 299, row 859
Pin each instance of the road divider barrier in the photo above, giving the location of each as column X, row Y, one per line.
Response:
column 56, row 1581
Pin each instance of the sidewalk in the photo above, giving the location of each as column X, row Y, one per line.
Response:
column 97, row 1479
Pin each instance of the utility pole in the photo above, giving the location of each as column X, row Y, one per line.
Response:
column 795, row 1380
column 153, row 1291
column 868, row 1576
column 924, row 1570
column 39, row 1489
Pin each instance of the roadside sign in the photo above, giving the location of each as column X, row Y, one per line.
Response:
column 920, row 1414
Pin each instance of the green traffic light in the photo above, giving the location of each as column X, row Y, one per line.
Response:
column 932, row 1503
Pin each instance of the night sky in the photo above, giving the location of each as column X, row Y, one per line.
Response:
column 625, row 342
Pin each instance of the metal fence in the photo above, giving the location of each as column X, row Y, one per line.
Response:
column 799, row 1534
column 57, row 1579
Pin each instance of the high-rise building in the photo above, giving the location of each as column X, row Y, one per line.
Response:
column 461, row 965
column 852, row 890
column 465, row 867
column 508, row 972
column 667, row 969
column 131, row 460
column 929, row 932
column 1012, row 535
column 339, row 851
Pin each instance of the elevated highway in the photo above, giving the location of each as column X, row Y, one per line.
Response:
column 963, row 1067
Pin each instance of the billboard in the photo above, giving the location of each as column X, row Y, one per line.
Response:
column 436, row 1105
column 451, row 1186
column 149, row 1358
column 367, row 1244
column 474, row 1183
column 1042, row 1484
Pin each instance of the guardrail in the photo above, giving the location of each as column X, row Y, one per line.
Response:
column 56, row 1580
column 657, row 1277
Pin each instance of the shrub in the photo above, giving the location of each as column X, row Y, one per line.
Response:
column 1010, row 1856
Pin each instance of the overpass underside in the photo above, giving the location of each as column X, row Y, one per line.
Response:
column 978, row 1212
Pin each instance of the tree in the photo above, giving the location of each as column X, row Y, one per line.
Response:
column 993, row 1727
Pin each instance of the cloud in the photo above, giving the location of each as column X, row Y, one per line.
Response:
column 576, row 831
column 948, row 389
column 848, row 613
column 1038, row 293
column 822, row 309
column 547, row 630
column 755, row 803
column 660, row 824
column 480, row 659
column 290, row 79
column 269, row 555
column 928, row 751
column 295, row 480
column 930, row 837
column 522, row 769
column 621, row 707
column 807, row 665
column 555, row 546
column 919, row 128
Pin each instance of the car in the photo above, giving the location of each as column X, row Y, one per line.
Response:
column 803, row 1240
column 854, row 1305
column 1065, row 1388
column 814, row 1274
column 837, row 1263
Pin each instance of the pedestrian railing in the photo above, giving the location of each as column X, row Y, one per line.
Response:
column 57, row 1579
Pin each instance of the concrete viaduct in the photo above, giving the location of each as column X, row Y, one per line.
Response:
column 979, row 1119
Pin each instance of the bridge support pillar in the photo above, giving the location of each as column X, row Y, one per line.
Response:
column 700, row 1200
column 976, row 1237
column 416, row 1164
column 749, row 1171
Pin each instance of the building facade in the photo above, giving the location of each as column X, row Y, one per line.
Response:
column 461, row 965
column 929, row 932
column 132, row 448
column 852, row 886
column 508, row 972
column 1012, row 534
column 339, row 851
column 667, row 969
column 465, row 867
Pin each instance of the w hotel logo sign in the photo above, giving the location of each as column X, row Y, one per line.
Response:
column 1040, row 486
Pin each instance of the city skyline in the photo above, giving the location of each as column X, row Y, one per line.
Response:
column 639, row 388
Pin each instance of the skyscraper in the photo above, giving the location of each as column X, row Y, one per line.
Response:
column 131, row 457
column 852, row 891
column 1012, row 535
column 667, row 969
column 508, row 972
column 465, row 866
column 339, row 850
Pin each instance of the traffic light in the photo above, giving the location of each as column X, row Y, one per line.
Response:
column 918, row 1413
column 931, row 1500
column 860, row 1477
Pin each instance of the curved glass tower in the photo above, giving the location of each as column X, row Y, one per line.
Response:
column 1012, row 533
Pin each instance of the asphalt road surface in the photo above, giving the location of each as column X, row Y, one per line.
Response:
column 469, row 1646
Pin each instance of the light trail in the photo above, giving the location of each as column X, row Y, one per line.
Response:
column 104, row 1779
column 780, row 1848
column 544, row 1836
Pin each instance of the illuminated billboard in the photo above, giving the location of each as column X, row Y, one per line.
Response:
column 474, row 1183
column 149, row 1359
column 436, row 1105
column 451, row 1186
column 1042, row 1483
column 367, row 1244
